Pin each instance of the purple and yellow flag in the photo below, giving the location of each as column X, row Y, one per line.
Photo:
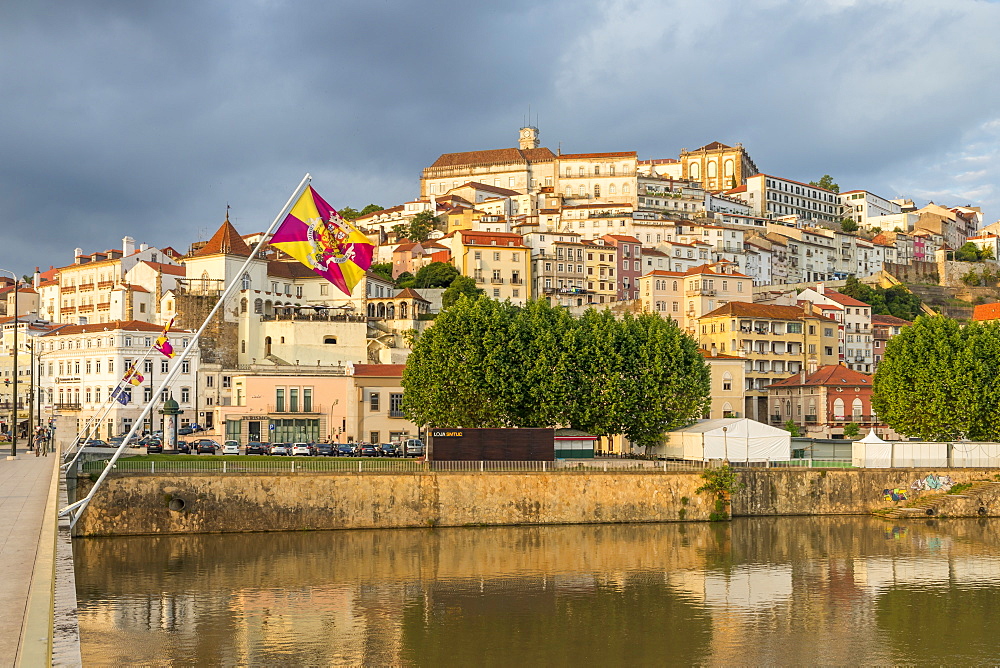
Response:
column 163, row 344
column 133, row 376
column 315, row 235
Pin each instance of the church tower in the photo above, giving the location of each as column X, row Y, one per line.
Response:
column 529, row 138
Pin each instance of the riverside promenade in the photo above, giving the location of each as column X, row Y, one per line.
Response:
column 28, row 495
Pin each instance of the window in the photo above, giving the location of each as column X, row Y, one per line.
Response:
column 164, row 366
column 298, row 291
column 373, row 402
column 496, row 257
column 227, row 381
column 324, row 289
column 279, row 400
column 147, row 394
column 496, row 292
column 396, row 404
column 186, row 366
column 293, row 400
column 330, row 340
column 307, row 399
column 185, row 395
column 374, row 436
column 209, row 381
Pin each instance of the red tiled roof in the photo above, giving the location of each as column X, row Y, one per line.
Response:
column 622, row 237
column 290, row 270
column 226, row 240
column 986, row 311
column 493, row 189
column 754, row 310
column 165, row 268
column 893, row 321
column 844, row 300
column 618, row 154
column 714, row 146
column 707, row 354
column 707, row 269
column 379, row 370
column 494, row 157
column 831, row 375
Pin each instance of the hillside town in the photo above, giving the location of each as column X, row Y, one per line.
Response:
column 750, row 264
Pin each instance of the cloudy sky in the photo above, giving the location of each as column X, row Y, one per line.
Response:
column 148, row 118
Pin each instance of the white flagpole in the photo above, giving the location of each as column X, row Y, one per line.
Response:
column 76, row 509
column 98, row 417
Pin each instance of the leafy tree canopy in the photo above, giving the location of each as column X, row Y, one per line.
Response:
column 404, row 280
column 371, row 208
column 348, row 213
column 487, row 363
column 383, row 269
column 461, row 286
column 970, row 252
column 435, row 275
column 939, row 380
column 826, row 181
column 848, row 225
column 896, row 301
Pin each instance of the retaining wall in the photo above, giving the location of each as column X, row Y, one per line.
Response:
column 205, row 503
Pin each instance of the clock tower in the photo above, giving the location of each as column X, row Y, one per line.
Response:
column 529, row 138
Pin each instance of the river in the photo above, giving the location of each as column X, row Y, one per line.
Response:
column 762, row 591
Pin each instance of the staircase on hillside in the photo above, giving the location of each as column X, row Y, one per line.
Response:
column 929, row 505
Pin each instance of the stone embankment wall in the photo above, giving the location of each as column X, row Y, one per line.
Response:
column 207, row 503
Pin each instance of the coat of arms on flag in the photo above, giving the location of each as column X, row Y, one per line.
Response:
column 162, row 343
column 318, row 237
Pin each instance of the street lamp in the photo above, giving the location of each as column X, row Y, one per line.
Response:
column 725, row 442
column 13, row 410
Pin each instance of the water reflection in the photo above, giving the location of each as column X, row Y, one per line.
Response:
column 761, row 591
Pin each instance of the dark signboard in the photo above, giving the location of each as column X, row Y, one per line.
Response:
column 473, row 445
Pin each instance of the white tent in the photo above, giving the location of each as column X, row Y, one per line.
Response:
column 872, row 452
column 735, row 439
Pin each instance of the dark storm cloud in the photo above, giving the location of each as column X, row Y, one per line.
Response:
column 147, row 118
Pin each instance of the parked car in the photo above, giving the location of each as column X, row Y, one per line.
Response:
column 97, row 443
column 257, row 448
column 278, row 449
column 345, row 450
column 207, row 446
column 185, row 431
column 301, row 450
column 389, row 450
column 325, row 450
column 231, row 448
column 115, row 441
column 183, row 448
column 413, row 447
column 368, row 450
column 154, row 446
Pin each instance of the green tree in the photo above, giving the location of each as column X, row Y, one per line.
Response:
column 897, row 300
column 826, row 181
column 371, row 208
column 939, row 380
column 421, row 225
column 489, row 364
column 405, row 280
column 348, row 213
column 435, row 275
column 848, row 225
column 461, row 286
column 791, row 427
column 968, row 252
column 383, row 269
column 851, row 430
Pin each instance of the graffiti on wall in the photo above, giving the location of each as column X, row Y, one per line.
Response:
column 932, row 483
column 896, row 494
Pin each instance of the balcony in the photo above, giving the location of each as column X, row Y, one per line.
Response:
column 776, row 419
column 104, row 285
column 85, row 286
column 66, row 407
column 699, row 292
column 857, row 419
column 811, row 419
column 516, row 281
column 103, row 306
column 285, row 409
column 9, row 405
column 496, row 280
column 396, row 413
column 68, row 289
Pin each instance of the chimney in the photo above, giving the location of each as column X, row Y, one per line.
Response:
column 802, row 376
column 714, row 351
column 36, row 279
column 78, row 256
column 821, row 288
column 143, row 247
column 128, row 246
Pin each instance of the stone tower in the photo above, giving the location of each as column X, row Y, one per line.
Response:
column 529, row 138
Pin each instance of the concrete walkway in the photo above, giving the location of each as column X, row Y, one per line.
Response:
column 24, row 491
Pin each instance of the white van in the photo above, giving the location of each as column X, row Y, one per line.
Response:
column 413, row 447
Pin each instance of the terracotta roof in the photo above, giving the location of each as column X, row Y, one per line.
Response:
column 494, row 156
column 409, row 293
column 714, row 146
column 622, row 237
column 663, row 272
column 986, row 311
column 738, row 189
column 379, row 370
column 753, row 310
column 707, row 354
column 290, row 270
column 165, row 268
column 829, row 375
column 707, row 269
column 843, row 299
column 493, row 189
column 117, row 325
column 226, row 240
column 890, row 320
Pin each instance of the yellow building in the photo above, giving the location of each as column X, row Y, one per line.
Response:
column 602, row 287
column 686, row 296
column 498, row 261
column 718, row 166
column 727, row 374
column 775, row 341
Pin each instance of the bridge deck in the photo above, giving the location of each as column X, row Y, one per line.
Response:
column 24, row 491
